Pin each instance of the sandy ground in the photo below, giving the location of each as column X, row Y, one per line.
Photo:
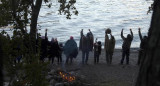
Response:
column 102, row 74
column 106, row 75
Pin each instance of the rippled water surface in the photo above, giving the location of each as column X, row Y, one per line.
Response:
column 97, row 15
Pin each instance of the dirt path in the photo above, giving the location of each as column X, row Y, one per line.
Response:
column 106, row 75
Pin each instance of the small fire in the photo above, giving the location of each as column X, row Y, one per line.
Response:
column 67, row 76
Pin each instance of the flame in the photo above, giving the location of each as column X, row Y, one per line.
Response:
column 67, row 76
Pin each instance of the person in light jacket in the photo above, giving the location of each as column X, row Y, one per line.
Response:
column 109, row 45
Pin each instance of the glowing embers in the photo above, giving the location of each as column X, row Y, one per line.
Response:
column 67, row 76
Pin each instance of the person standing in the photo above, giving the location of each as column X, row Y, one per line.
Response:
column 91, row 39
column 80, row 42
column 70, row 50
column 143, row 45
column 97, row 51
column 54, row 50
column 109, row 45
column 44, row 44
column 126, row 46
column 87, row 46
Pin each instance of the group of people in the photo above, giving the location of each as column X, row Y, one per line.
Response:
column 52, row 49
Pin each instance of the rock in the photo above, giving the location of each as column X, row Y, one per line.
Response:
column 82, row 76
column 66, row 84
column 52, row 82
column 51, row 72
column 59, row 84
column 48, row 77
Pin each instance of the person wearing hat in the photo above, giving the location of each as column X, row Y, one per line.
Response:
column 70, row 49
column 54, row 50
column 109, row 45
column 126, row 46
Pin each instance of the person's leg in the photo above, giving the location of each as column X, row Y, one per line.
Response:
column 52, row 59
column 94, row 57
column 87, row 55
column 83, row 57
column 127, row 57
column 123, row 56
column 60, row 58
column 107, row 57
column 42, row 57
column 98, row 58
column 71, row 58
column 111, row 54
column 67, row 58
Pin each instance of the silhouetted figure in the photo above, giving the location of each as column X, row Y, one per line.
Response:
column 87, row 46
column 37, row 41
column 18, row 56
column 126, row 46
column 143, row 45
column 109, row 45
column 91, row 38
column 54, row 50
column 44, row 44
column 80, row 42
column 16, row 46
column 97, row 51
column 70, row 50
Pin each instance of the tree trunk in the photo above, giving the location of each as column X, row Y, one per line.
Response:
column 149, row 73
column 1, row 64
column 33, row 27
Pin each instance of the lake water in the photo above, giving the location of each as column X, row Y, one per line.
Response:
column 97, row 15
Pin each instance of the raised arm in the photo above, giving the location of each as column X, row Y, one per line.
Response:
column 81, row 32
column 131, row 33
column 45, row 33
column 140, row 35
column 122, row 35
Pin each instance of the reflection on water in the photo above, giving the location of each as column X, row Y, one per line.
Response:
column 97, row 15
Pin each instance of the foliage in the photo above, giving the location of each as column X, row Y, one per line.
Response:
column 20, row 13
column 150, row 9
column 29, row 71
column 65, row 8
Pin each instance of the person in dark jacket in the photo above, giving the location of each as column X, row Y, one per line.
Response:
column 80, row 42
column 143, row 45
column 126, row 46
column 86, row 47
column 54, row 50
column 44, row 44
column 97, row 51
column 91, row 39
column 70, row 50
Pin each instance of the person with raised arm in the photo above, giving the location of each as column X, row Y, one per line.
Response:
column 109, row 45
column 126, row 46
column 143, row 45
column 97, row 51
column 44, row 44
